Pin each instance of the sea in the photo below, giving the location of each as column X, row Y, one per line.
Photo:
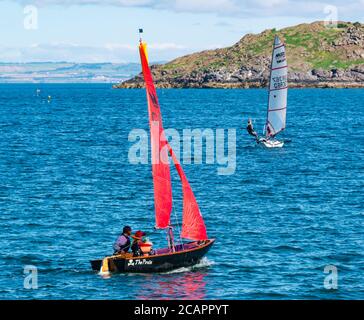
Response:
column 288, row 222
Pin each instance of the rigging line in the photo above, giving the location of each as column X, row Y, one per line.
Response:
column 173, row 207
column 179, row 229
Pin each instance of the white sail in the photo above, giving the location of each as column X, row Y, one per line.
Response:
column 278, row 87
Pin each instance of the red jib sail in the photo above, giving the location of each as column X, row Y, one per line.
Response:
column 193, row 226
column 160, row 165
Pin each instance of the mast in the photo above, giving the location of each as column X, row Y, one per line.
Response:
column 170, row 239
column 269, row 81
column 193, row 226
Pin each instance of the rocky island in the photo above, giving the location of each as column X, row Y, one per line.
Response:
column 318, row 56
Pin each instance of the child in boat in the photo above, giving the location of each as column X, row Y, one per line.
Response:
column 138, row 239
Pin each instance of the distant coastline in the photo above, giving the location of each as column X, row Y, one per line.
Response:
column 66, row 72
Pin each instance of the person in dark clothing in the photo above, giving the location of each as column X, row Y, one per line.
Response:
column 122, row 243
column 138, row 238
column 251, row 130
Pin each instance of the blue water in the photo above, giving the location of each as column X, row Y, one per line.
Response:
column 67, row 188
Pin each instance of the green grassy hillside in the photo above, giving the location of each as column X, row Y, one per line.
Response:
column 316, row 54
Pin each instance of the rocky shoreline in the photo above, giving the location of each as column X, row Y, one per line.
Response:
column 321, row 85
column 348, row 79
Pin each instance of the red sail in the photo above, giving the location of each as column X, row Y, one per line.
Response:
column 193, row 226
column 160, row 165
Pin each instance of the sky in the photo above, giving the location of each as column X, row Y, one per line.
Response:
column 107, row 31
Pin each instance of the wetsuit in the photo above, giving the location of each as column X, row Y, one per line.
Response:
column 251, row 131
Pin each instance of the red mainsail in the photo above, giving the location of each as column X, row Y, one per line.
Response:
column 160, row 164
column 193, row 226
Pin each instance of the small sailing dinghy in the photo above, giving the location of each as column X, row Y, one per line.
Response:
column 174, row 256
column 277, row 101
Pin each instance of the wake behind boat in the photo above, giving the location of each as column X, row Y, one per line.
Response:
column 193, row 227
column 277, row 99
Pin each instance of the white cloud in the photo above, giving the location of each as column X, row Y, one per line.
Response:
column 271, row 3
column 119, row 46
column 166, row 46
column 216, row 6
